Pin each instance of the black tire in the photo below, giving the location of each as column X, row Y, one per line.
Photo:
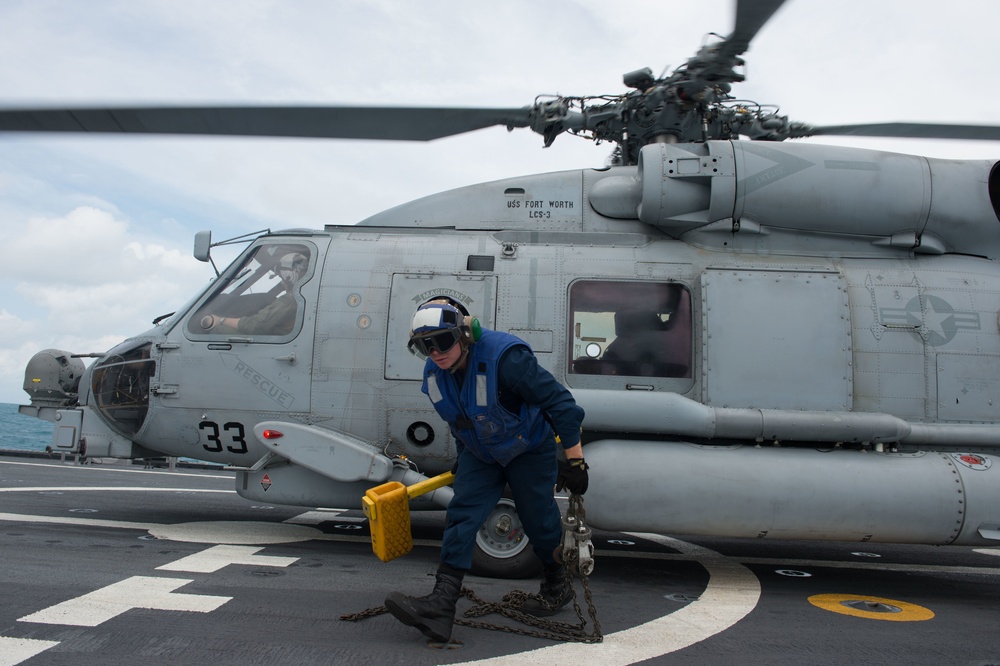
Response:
column 502, row 549
column 523, row 565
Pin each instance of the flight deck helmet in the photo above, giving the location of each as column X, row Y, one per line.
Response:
column 436, row 326
column 292, row 267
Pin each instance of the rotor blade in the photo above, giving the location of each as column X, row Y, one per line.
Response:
column 751, row 15
column 906, row 130
column 336, row 122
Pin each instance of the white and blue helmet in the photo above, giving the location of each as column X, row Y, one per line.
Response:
column 437, row 326
column 435, row 315
column 292, row 267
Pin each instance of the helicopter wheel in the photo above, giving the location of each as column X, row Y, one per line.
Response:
column 502, row 547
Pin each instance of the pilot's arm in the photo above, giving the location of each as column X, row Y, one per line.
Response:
column 218, row 324
column 277, row 318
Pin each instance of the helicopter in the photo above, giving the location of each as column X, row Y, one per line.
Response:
column 770, row 339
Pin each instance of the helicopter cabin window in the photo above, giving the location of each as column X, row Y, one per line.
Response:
column 640, row 329
column 259, row 297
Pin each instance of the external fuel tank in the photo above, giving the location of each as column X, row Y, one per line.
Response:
column 794, row 493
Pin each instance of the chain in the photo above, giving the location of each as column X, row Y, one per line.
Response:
column 510, row 608
column 365, row 614
column 577, row 555
column 551, row 629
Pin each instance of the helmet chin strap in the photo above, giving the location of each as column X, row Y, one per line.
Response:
column 461, row 359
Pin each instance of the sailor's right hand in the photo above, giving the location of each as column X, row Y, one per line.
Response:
column 573, row 476
column 210, row 321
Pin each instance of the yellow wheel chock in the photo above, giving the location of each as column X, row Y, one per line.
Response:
column 387, row 508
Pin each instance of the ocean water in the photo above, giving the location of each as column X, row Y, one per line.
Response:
column 22, row 433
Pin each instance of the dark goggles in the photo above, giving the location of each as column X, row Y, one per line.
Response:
column 440, row 341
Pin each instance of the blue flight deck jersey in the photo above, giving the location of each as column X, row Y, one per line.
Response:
column 505, row 402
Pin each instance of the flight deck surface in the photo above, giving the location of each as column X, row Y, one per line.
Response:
column 117, row 564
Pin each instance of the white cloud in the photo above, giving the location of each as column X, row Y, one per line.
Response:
column 13, row 329
column 52, row 249
column 84, row 282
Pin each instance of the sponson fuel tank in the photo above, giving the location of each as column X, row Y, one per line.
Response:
column 794, row 493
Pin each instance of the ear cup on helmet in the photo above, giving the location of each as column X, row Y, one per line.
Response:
column 474, row 328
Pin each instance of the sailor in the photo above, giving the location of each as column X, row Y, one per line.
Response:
column 278, row 316
column 502, row 408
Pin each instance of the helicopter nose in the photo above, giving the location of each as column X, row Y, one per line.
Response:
column 120, row 385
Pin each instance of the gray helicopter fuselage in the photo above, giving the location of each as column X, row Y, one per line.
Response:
column 769, row 340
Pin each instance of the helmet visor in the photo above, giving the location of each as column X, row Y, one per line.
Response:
column 441, row 341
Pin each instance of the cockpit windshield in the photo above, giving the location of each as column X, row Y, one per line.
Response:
column 258, row 297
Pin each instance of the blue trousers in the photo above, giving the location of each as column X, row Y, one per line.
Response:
column 478, row 487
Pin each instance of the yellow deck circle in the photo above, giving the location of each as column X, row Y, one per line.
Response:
column 837, row 603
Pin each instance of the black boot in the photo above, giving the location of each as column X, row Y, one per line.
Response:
column 434, row 614
column 555, row 591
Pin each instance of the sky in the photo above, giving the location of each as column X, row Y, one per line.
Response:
column 96, row 231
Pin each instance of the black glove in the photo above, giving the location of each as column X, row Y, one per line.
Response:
column 573, row 476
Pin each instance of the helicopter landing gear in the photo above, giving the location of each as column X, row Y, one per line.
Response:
column 502, row 546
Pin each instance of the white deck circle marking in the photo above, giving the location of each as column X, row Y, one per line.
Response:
column 987, row 551
column 732, row 592
column 246, row 533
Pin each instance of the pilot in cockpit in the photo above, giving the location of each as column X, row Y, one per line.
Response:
column 276, row 318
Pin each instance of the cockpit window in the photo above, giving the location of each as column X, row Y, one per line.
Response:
column 259, row 297
column 631, row 328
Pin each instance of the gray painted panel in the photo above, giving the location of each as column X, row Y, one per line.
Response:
column 968, row 387
column 420, row 433
column 539, row 341
column 776, row 340
column 477, row 293
column 890, row 383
